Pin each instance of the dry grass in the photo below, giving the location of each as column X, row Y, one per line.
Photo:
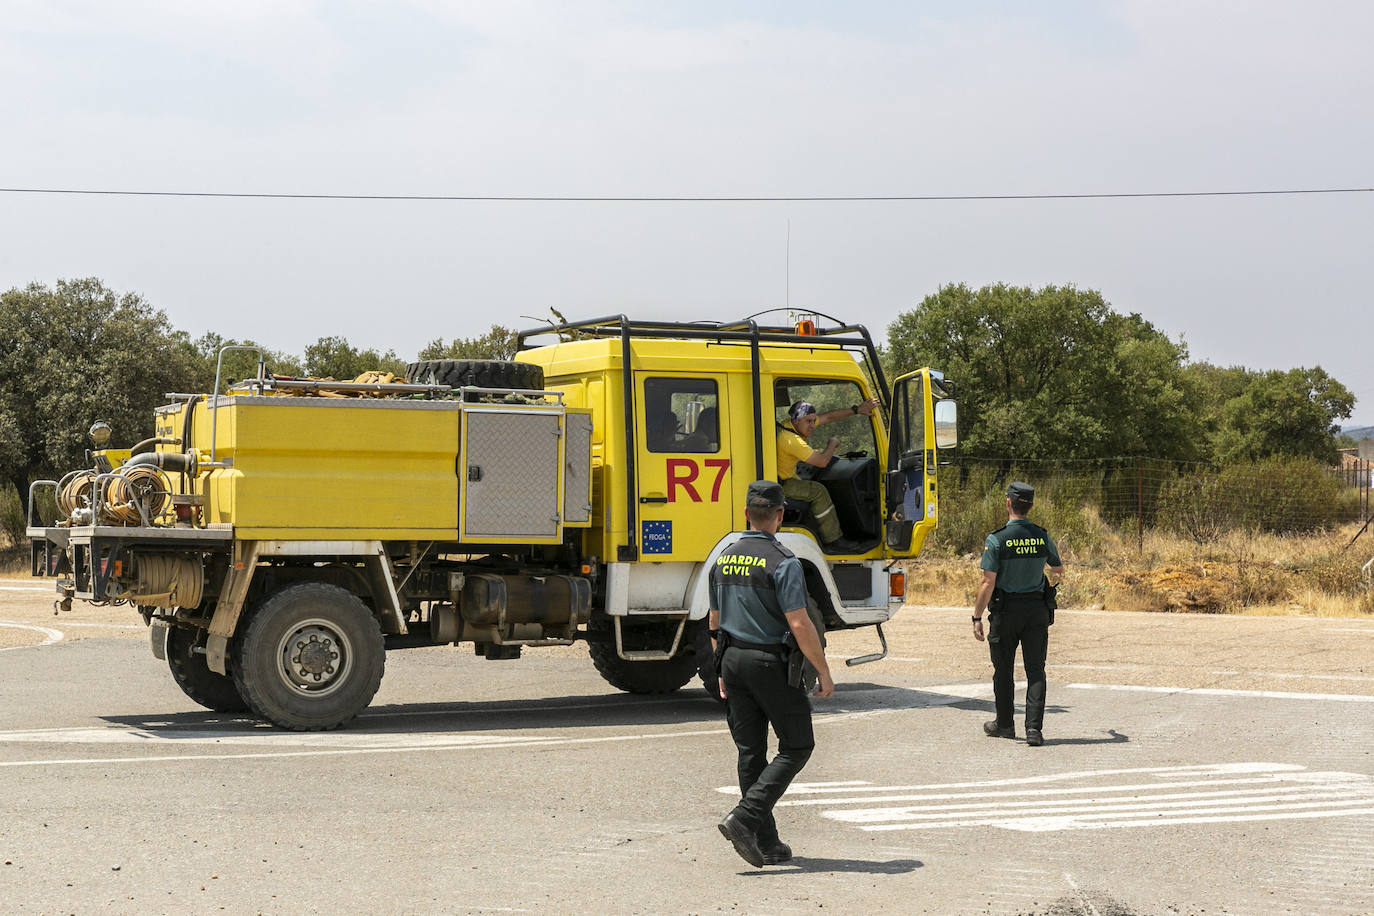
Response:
column 1235, row 573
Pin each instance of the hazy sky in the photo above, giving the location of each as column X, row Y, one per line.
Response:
column 697, row 98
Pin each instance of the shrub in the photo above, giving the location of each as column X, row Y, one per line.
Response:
column 1278, row 495
column 1337, row 574
column 11, row 517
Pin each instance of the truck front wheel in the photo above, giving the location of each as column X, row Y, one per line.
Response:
column 311, row 657
column 210, row 689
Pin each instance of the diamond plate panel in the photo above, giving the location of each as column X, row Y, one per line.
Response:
column 510, row 485
column 577, row 473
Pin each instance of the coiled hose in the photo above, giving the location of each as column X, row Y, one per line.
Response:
column 136, row 495
column 74, row 492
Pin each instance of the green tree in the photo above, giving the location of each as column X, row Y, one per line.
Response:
column 497, row 343
column 1213, row 387
column 336, row 358
column 1293, row 413
column 236, row 365
column 75, row 353
column 1052, row 372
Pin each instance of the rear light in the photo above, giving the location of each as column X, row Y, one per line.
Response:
column 896, row 585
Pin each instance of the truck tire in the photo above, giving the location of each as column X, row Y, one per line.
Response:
column 311, row 657
column 216, row 692
column 643, row 677
column 481, row 373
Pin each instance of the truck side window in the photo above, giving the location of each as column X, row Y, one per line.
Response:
column 681, row 415
column 855, row 432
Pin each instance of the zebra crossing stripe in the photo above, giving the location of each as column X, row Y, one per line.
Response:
column 1084, row 801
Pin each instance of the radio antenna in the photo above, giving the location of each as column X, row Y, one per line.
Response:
column 787, row 283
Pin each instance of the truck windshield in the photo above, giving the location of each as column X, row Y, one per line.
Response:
column 855, row 432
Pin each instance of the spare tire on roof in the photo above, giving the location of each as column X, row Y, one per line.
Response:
column 480, row 373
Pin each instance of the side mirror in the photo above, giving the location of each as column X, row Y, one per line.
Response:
column 946, row 424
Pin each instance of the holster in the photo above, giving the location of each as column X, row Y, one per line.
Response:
column 800, row 672
column 997, row 601
column 718, row 659
column 1051, row 595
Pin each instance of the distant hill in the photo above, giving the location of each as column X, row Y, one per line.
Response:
column 1359, row 432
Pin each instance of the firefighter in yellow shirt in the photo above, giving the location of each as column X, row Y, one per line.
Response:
column 793, row 449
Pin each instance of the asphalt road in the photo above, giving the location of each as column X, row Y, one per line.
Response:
column 1191, row 765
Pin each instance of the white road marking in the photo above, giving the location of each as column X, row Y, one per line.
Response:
column 1222, row 692
column 1223, row 671
column 488, row 742
column 105, row 626
column 1039, row 793
column 1204, row 769
column 50, row 635
column 26, row 588
column 1249, row 792
column 361, row 742
column 354, row 742
column 1317, row 677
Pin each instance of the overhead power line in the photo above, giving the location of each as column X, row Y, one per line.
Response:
column 530, row 198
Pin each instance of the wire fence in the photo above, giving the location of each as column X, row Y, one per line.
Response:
column 1133, row 495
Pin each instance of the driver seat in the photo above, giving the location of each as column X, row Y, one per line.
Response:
column 796, row 513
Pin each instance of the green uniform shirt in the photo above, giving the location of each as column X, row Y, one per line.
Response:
column 1018, row 552
column 754, row 583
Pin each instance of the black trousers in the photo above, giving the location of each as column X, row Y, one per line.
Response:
column 757, row 696
column 1025, row 622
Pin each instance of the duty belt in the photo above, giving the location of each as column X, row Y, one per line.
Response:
column 775, row 647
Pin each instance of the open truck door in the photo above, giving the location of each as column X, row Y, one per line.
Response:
column 924, row 420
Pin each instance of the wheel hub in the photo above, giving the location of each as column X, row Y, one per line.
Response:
column 314, row 657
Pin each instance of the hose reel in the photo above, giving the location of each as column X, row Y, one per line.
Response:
column 135, row 495
column 74, row 492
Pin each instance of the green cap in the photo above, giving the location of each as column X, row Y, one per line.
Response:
column 1022, row 491
column 765, row 494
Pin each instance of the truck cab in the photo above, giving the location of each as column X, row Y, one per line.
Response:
column 685, row 416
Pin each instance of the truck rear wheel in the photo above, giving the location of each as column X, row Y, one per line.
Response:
column 311, row 657
column 644, row 677
column 481, row 373
column 214, row 691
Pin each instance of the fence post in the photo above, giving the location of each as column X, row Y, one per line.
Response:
column 1139, row 508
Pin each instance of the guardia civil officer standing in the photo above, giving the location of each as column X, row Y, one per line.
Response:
column 758, row 597
column 1019, row 596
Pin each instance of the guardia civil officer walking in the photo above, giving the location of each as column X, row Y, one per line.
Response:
column 758, row 598
column 1019, row 597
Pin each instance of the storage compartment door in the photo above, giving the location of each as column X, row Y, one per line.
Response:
column 510, row 481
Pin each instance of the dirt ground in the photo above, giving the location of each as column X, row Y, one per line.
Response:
column 1119, row 647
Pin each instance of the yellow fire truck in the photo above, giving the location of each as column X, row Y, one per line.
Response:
column 278, row 538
